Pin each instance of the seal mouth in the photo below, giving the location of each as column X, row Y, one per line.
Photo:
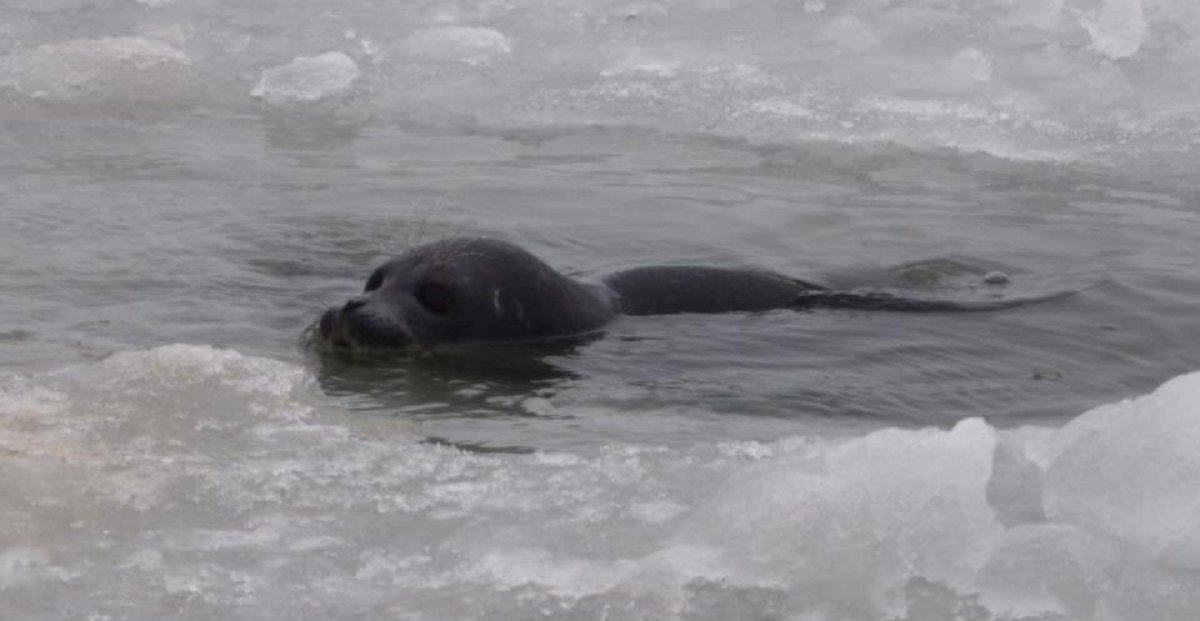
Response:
column 341, row 329
column 329, row 329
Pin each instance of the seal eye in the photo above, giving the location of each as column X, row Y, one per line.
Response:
column 374, row 282
column 436, row 298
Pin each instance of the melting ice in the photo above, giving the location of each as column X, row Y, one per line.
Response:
column 1018, row 78
column 192, row 482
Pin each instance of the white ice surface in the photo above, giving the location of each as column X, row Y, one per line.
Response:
column 1042, row 79
column 108, row 71
column 191, row 482
column 308, row 79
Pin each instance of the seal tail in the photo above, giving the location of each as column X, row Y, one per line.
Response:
column 882, row 301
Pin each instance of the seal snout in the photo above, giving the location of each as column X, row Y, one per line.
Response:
column 330, row 328
column 358, row 323
column 354, row 303
column 326, row 324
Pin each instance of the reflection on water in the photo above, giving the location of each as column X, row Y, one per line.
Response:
column 474, row 381
column 307, row 130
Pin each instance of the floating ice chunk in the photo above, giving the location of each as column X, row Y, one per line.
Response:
column 971, row 64
column 14, row 29
column 1015, row 490
column 1046, row 571
column 637, row 62
column 778, row 106
column 1042, row 14
column 510, row 569
column 159, row 400
column 1131, row 470
column 144, row 560
column 308, row 79
column 849, row 34
column 191, row 367
column 1118, row 30
column 21, row 565
column 110, row 70
column 466, row 44
column 996, row 277
column 657, row 512
column 856, row 521
column 965, row 70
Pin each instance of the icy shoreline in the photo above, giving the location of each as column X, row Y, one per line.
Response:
column 197, row 481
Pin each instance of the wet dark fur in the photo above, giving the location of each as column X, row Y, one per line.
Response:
column 478, row 290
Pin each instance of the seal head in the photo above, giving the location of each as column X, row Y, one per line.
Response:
column 472, row 290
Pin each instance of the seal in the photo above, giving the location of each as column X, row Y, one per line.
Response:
column 481, row 290
column 472, row 290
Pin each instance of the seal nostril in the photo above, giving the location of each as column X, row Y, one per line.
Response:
column 354, row 303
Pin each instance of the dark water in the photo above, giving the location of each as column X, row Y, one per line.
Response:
column 235, row 233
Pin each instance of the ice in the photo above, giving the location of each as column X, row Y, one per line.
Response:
column 1120, row 509
column 308, row 79
column 105, row 71
column 195, row 482
column 637, row 62
column 24, row 565
column 1057, row 78
column 1131, row 470
column 848, row 34
column 855, row 521
column 968, row 67
column 1047, row 570
column 13, row 29
column 1041, row 14
column 1117, row 31
column 1015, row 489
column 466, row 44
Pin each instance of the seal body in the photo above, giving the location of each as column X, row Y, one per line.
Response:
column 479, row 290
column 694, row 289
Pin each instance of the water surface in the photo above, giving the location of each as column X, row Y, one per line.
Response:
column 187, row 185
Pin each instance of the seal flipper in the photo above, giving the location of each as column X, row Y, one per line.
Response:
column 883, row 301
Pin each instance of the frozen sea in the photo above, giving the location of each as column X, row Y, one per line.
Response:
column 185, row 184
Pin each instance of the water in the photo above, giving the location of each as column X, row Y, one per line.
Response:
column 187, row 184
